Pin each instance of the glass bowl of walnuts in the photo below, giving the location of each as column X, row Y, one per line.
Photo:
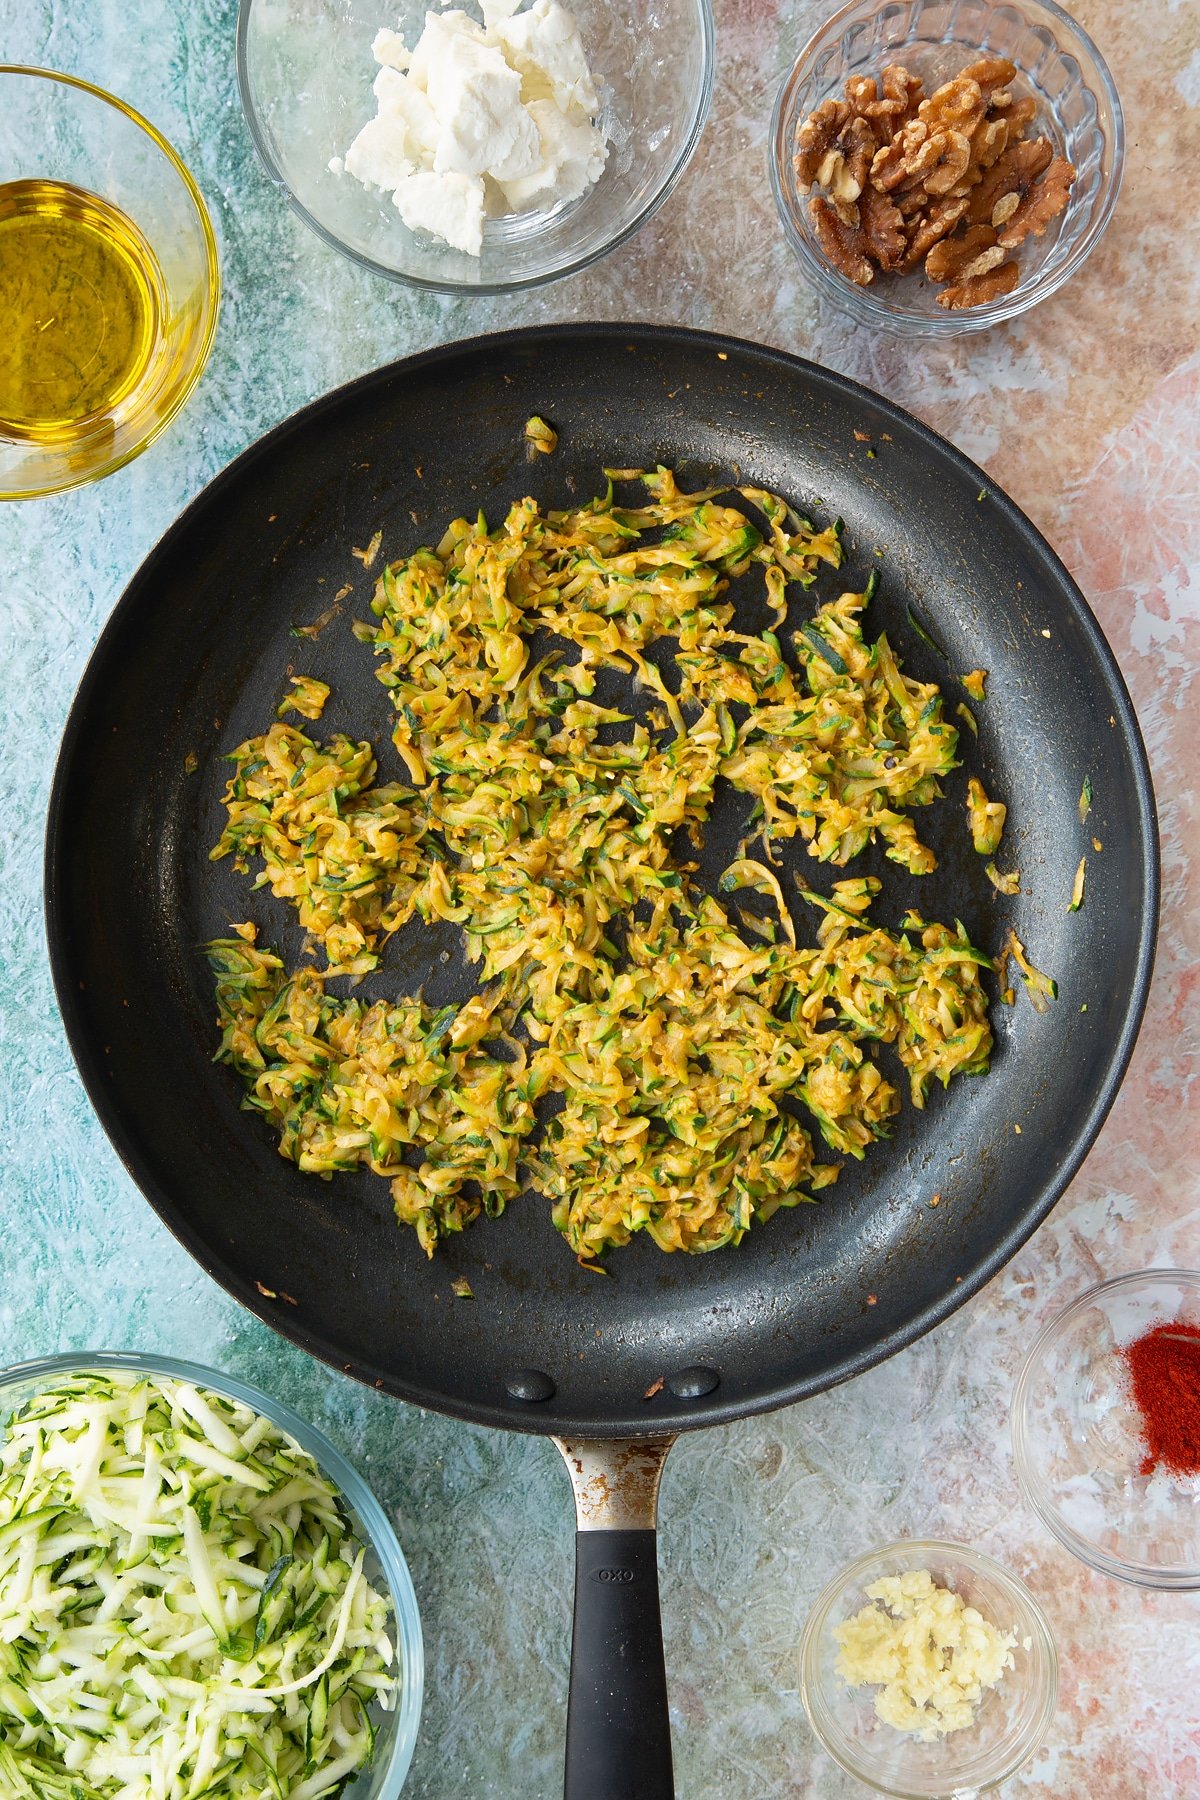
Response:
column 943, row 165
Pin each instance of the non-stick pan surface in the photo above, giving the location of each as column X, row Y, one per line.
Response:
column 195, row 659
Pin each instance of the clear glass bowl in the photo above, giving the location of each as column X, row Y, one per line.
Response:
column 1078, row 110
column 1077, row 1439
column 305, row 71
column 56, row 128
column 1012, row 1718
column 384, row 1564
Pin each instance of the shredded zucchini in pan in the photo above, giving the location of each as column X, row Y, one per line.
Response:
column 348, row 855
column 680, row 1061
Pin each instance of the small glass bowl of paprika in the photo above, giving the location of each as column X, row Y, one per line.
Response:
column 1106, row 1428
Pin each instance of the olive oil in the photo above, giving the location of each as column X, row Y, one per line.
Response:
column 81, row 303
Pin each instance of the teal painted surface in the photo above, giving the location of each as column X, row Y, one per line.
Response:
column 756, row 1517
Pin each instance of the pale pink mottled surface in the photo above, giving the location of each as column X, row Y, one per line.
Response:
column 1088, row 412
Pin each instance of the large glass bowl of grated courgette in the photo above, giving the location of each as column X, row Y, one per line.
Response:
column 196, row 1587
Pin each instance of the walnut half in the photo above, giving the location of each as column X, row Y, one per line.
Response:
column 955, row 256
column 1040, row 203
column 844, row 245
column 977, row 290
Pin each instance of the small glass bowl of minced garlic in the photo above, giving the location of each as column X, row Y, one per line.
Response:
column 927, row 1671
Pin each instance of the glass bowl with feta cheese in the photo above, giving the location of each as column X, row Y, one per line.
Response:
column 491, row 146
column 196, row 1572
column 928, row 1671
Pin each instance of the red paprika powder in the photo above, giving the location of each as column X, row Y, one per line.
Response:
column 1164, row 1375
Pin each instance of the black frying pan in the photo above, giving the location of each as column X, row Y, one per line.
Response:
column 194, row 659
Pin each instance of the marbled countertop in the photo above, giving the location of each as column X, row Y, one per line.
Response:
column 1088, row 412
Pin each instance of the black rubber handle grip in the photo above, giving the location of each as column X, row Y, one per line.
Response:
column 618, row 1733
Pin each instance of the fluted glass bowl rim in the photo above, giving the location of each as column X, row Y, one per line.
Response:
column 1176, row 1578
column 156, row 423
column 874, row 307
column 386, row 1777
column 706, row 24
column 1043, row 1666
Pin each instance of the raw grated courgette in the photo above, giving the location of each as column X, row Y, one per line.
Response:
column 183, row 1607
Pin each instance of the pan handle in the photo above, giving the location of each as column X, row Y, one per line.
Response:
column 618, row 1732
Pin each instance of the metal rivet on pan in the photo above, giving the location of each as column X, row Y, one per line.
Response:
column 693, row 1383
column 529, row 1385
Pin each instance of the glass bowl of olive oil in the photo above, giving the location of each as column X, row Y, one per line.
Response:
column 109, row 283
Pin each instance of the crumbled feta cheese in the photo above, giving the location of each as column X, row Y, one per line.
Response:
column 544, row 44
column 495, row 116
column 483, row 129
column 449, row 205
column 390, row 49
column 377, row 157
column 571, row 158
column 408, row 108
column 444, row 39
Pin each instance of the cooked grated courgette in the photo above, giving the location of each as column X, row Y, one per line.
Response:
column 551, row 828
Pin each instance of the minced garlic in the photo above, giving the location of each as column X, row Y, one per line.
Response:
column 931, row 1656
